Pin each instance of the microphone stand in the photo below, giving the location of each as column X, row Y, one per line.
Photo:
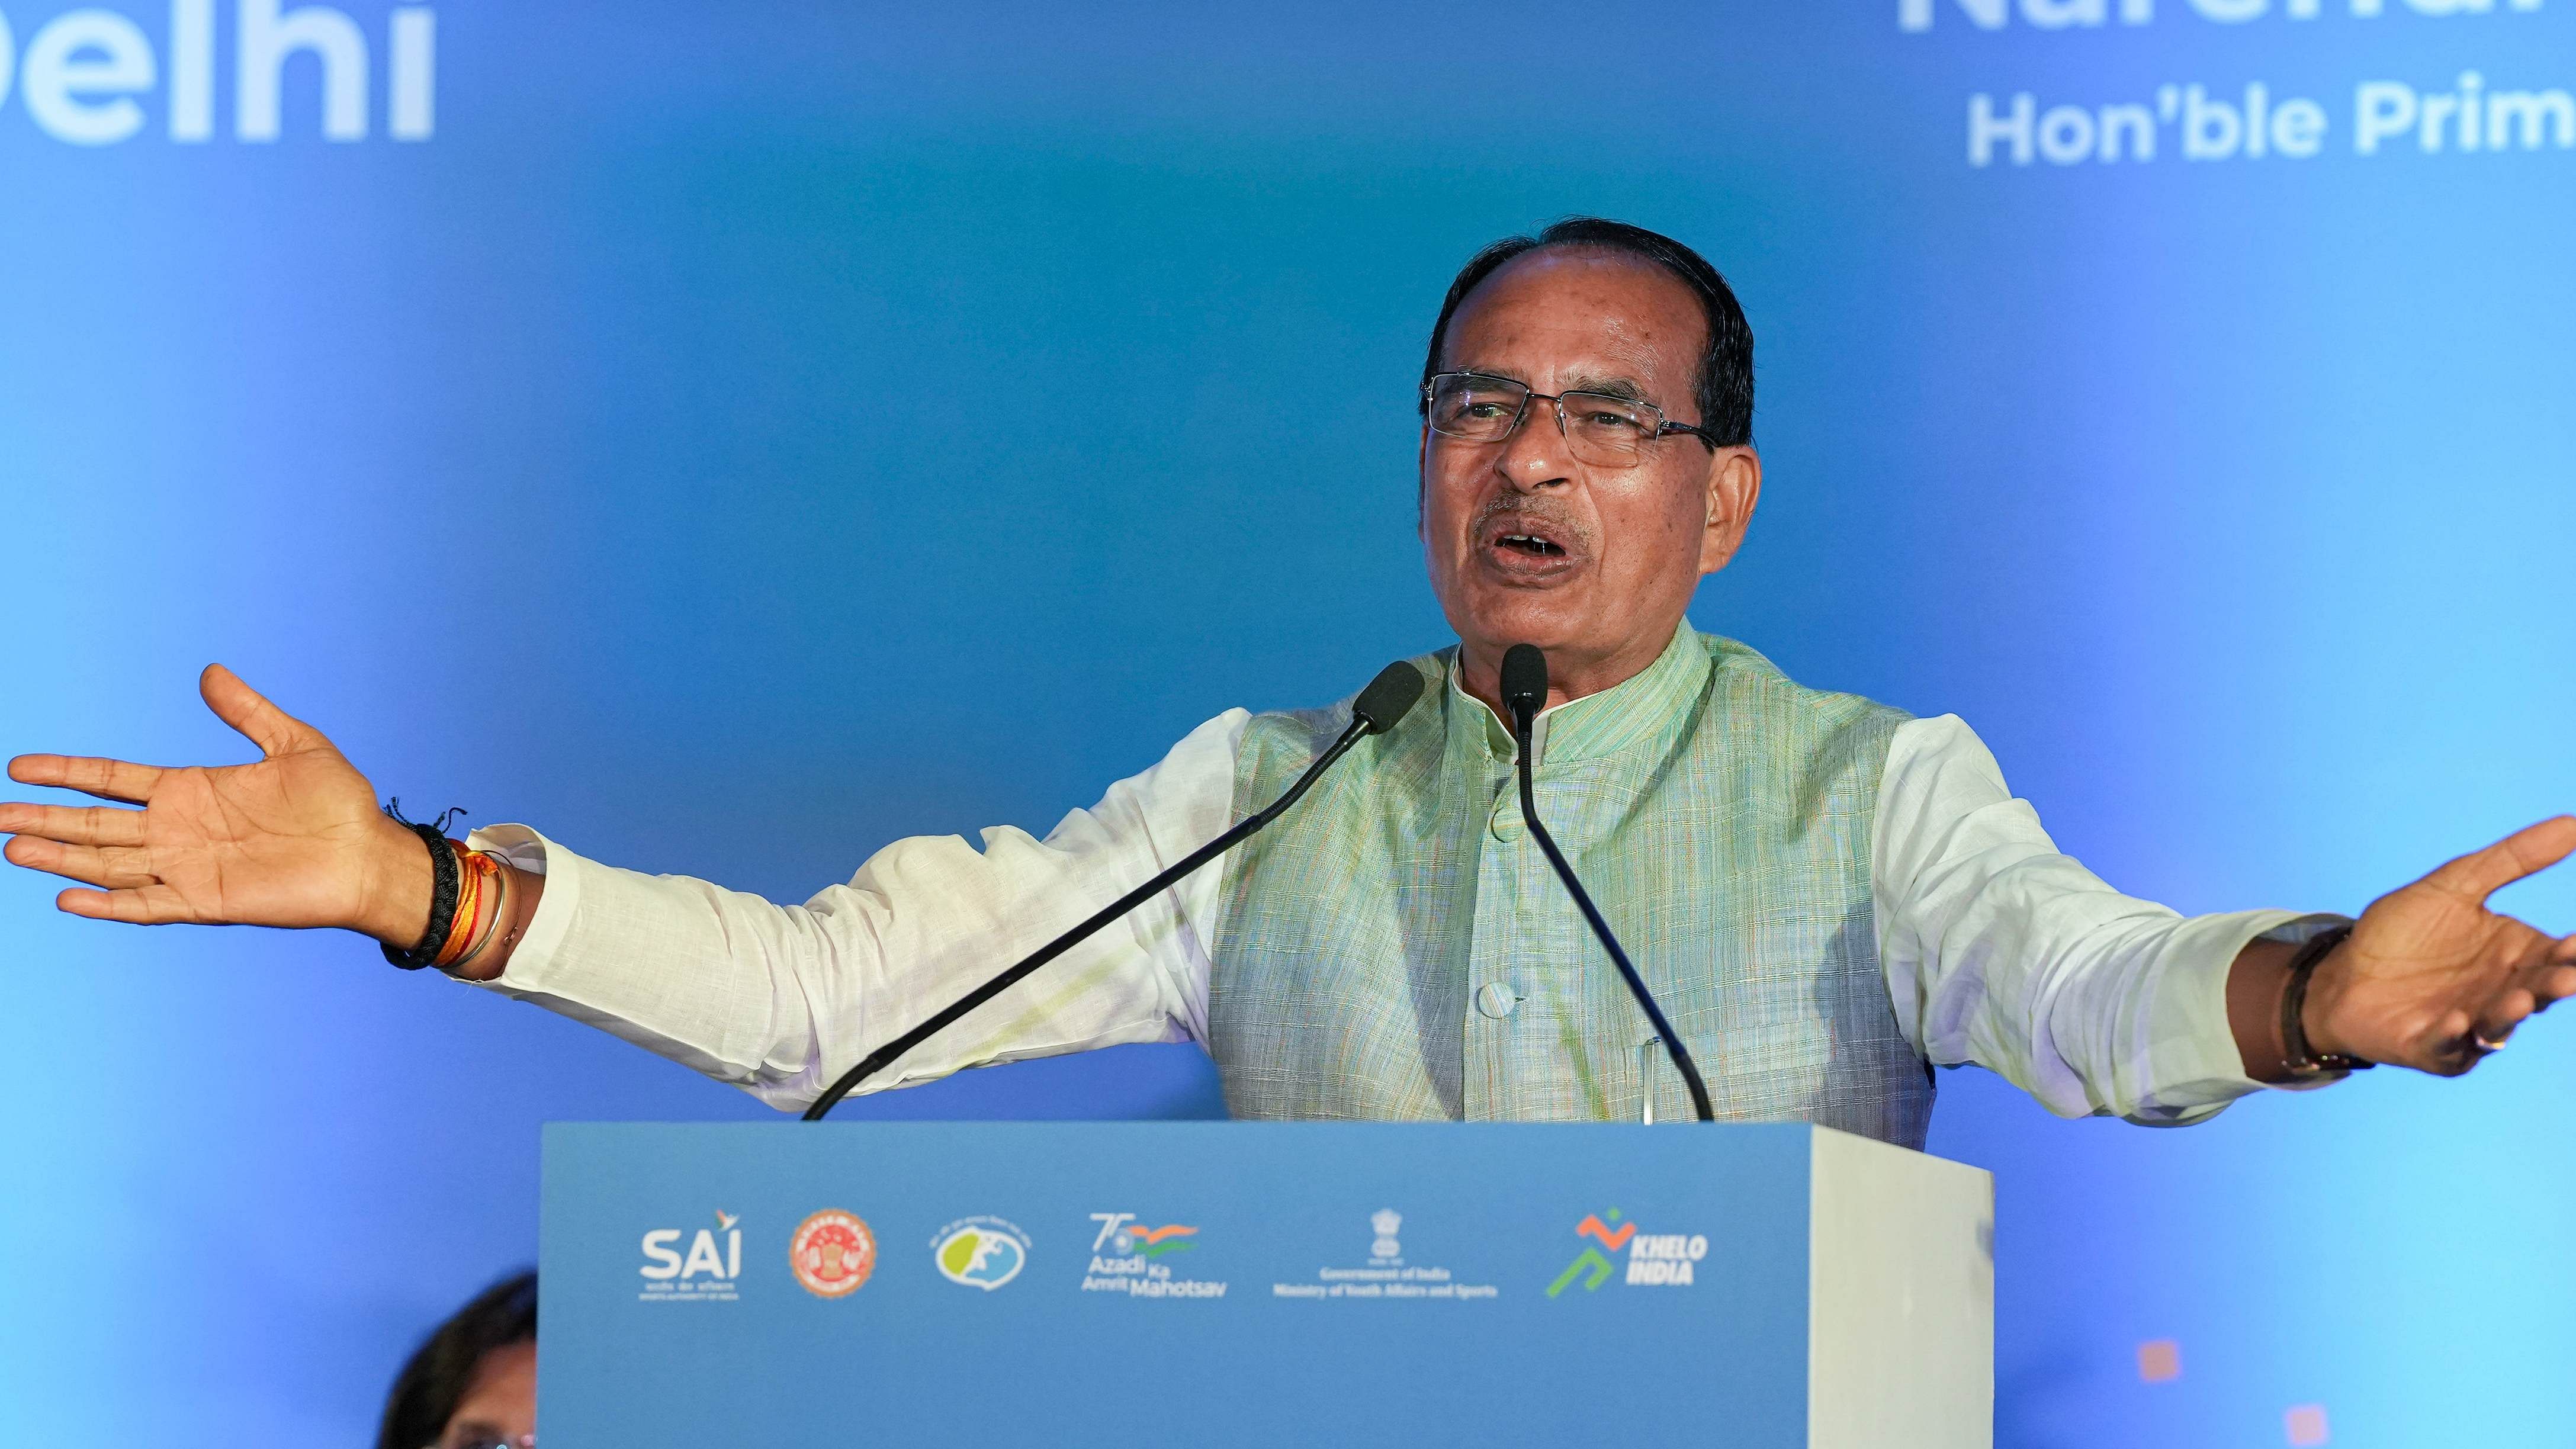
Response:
column 1524, row 712
column 1376, row 711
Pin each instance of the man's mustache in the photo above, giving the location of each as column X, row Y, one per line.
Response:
column 1560, row 522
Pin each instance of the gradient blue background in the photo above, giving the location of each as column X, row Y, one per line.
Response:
column 748, row 434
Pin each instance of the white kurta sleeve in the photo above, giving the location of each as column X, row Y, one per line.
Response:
column 780, row 1000
column 2001, row 951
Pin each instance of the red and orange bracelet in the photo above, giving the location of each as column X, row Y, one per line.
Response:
column 469, row 903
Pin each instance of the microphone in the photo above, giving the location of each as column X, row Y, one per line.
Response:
column 1525, row 694
column 1388, row 698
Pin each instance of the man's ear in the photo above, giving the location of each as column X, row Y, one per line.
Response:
column 1734, row 486
column 1422, row 483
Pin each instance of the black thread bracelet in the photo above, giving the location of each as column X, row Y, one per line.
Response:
column 445, row 883
column 2302, row 1060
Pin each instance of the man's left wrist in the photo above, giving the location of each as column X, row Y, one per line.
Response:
column 2310, row 1049
column 2316, row 1012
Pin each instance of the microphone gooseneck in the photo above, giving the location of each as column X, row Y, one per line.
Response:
column 1388, row 699
column 1524, row 690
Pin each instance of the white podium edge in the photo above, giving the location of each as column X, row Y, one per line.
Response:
column 1901, row 1298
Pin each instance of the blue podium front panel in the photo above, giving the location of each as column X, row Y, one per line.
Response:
column 1173, row 1283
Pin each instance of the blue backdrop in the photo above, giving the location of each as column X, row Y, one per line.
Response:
column 730, row 437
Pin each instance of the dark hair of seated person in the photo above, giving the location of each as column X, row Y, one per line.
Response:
column 441, row 1371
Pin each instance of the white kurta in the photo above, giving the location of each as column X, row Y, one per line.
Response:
column 1998, row 949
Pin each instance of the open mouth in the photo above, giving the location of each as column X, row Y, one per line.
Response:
column 1531, row 548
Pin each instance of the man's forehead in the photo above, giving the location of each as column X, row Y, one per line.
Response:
column 1602, row 317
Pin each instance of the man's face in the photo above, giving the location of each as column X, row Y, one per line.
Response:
column 1527, row 544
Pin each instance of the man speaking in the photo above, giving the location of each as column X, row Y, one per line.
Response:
column 1826, row 896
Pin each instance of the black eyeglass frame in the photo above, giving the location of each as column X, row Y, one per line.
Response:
column 1665, row 427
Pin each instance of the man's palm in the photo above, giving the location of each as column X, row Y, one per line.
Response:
column 268, row 843
column 284, row 841
column 2431, row 978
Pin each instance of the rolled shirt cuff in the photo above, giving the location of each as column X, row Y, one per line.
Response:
column 621, row 918
column 542, row 942
column 2198, row 1070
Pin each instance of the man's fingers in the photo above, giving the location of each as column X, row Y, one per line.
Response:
column 114, row 867
column 2545, row 986
column 2481, row 873
column 248, row 711
column 107, row 779
column 2441, row 1045
column 73, row 824
column 152, row 905
column 2554, row 983
column 2504, row 1014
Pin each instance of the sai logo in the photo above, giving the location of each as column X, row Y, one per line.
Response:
column 1655, row 1260
column 980, row 1252
column 709, row 1269
column 703, row 1256
column 832, row 1253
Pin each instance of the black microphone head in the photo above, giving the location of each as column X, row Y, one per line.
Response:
column 1524, row 681
column 1389, row 697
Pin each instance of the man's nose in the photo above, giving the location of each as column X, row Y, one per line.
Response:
column 1535, row 455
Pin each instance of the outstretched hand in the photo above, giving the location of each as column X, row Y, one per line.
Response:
column 2432, row 979
column 292, row 839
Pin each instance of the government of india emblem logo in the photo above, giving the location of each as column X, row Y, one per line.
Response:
column 1386, row 1221
column 980, row 1252
column 832, row 1253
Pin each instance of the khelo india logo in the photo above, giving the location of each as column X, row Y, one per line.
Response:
column 832, row 1253
column 1655, row 1260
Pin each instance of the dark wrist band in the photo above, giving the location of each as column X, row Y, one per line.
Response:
column 2305, row 1063
column 445, row 883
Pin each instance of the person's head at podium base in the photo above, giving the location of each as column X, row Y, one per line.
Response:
column 473, row 1383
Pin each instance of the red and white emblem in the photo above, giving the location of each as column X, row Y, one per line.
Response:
column 832, row 1253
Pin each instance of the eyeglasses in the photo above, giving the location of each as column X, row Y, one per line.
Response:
column 1605, row 431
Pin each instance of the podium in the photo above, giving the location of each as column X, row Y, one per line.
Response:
column 1218, row 1283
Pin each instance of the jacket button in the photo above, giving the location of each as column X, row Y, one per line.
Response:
column 1496, row 1000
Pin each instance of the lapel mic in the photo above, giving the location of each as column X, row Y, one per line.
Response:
column 1388, row 698
column 1524, row 685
